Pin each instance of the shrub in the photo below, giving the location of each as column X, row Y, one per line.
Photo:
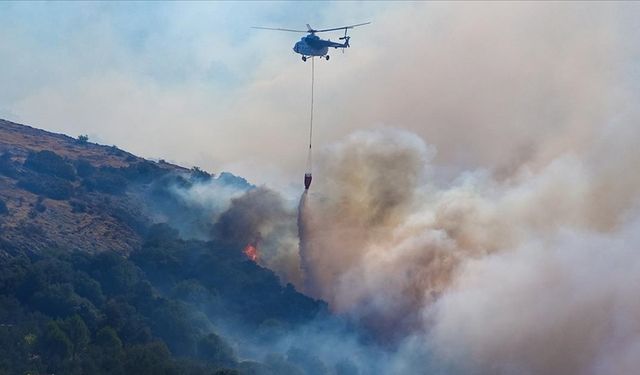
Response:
column 229, row 179
column 49, row 186
column 106, row 180
column 50, row 163
column 77, row 206
column 144, row 171
column 7, row 167
column 114, row 150
column 200, row 174
column 84, row 168
column 40, row 207
column 3, row 208
column 129, row 217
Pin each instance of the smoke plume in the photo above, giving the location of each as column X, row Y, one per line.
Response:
column 261, row 218
column 498, row 234
column 562, row 307
column 479, row 274
column 529, row 274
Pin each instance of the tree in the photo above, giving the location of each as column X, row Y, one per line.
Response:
column 107, row 339
column 55, row 300
column 108, row 350
column 226, row 372
column 56, row 344
column 88, row 288
column 151, row 359
column 212, row 348
column 78, row 335
column 176, row 325
column 82, row 139
column 199, row 174
column 115, row 274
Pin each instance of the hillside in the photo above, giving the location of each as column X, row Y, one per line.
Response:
column 60, row 192
column 107, row 267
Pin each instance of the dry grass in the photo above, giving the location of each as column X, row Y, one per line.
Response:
column 31, row 226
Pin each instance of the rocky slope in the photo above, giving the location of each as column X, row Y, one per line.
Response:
column 61, row 192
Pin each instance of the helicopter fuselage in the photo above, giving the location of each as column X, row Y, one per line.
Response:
column 312, row 45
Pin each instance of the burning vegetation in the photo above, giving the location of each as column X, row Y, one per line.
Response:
column 251, row 251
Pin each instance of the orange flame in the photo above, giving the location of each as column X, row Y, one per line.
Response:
column 251, row 251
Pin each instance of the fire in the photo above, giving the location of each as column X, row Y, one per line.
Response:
column 251, row 251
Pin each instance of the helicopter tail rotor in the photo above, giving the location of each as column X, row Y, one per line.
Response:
column 346, row 40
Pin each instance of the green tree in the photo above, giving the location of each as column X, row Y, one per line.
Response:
column 212, row 348
column 56, row 345
column 108, row 351
column 199, row 174
column 82, row 139
column 108, row 340
column 78, row 334
column 176, row 324
column 148, row 359
column 226, row 372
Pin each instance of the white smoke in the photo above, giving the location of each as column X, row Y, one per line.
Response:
column 510, row 250
column 528, row 274
column 564, row 305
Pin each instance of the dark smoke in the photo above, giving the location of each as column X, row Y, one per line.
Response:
column 260, row 216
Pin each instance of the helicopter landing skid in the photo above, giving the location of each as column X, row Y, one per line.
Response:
column 326, row 57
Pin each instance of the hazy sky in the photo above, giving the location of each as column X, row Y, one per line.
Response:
column 192, row 82
column 508, row 203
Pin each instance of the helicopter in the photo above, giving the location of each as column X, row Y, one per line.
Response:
column 312, row 45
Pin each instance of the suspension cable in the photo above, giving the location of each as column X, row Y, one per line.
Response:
column 311, row 116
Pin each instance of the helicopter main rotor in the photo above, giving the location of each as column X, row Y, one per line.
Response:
column 311, row 30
